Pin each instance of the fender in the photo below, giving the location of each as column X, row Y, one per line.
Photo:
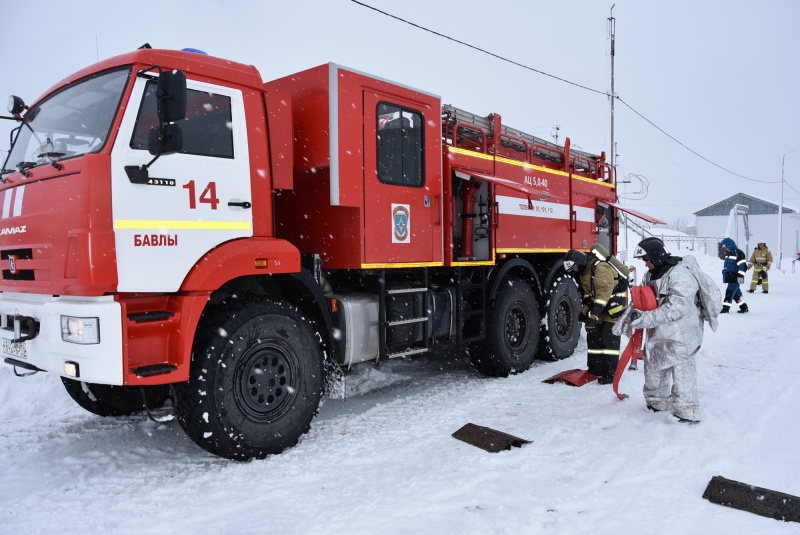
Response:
column 556, row 269
column 241, row 258
column 516, row 264
column 319, row 308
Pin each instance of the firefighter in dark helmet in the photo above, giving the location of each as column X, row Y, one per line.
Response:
column 604, row 299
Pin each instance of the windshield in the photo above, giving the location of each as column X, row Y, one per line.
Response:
column 72, row 122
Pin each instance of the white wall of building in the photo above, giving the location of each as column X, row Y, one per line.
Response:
column 763, row 228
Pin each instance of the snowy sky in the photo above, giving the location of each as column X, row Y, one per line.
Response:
column 720, row 76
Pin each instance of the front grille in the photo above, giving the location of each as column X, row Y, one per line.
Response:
column 18, row 274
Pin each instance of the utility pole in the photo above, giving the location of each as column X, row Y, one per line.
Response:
column 780, row 211
column 611, row 31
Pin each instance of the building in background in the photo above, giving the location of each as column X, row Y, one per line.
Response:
column 762, row 223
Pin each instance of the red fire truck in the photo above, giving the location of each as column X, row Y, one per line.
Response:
column 174, row 227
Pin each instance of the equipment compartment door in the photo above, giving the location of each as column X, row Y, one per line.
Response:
column 402, row 184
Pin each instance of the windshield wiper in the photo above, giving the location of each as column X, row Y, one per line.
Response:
column 24, row 166
column 51, row 155
column 52, row 158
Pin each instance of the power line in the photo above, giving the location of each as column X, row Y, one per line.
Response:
column 478, row 48
column 497, row 56
column 673, row 138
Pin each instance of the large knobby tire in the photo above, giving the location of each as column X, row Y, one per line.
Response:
column 109, row 400
column 255, row 382
column 561, row 329
column 512, row 331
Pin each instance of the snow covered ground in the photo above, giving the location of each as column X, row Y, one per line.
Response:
column 384, row 462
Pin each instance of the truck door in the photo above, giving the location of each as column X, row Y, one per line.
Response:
column 401, row 187
column 193, row 201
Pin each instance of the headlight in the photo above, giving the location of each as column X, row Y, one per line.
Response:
column 80, row 330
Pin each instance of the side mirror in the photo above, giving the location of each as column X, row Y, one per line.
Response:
column 171, row 96
column 165, row 139
column 15, row 105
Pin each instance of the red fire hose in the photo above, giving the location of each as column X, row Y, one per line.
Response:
column 644, row 299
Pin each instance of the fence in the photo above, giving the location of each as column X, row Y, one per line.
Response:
column 677, row 243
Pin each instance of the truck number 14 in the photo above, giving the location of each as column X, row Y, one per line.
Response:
column 209, row 195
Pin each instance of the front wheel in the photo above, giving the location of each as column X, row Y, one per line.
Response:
column 110, row 400
column 255, row 382
column 512, row 333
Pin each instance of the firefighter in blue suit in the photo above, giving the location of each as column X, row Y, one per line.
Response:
column 733, row 271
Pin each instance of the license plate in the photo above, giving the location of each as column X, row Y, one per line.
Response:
column 14, row 349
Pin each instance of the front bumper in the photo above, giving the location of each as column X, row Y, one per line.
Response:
column 30, row 333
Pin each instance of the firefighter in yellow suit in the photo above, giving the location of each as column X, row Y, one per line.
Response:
column 760, row 261
column 604, row 299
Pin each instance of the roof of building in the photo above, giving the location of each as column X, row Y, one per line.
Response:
column 756, row 206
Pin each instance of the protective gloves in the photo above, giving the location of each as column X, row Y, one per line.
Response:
column 637, row 320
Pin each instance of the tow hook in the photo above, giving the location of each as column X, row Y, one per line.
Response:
column 23, row 327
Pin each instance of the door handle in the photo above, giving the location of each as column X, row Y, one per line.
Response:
column 241, row 204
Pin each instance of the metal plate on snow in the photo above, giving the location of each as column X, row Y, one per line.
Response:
column 488, row 439
column 756, row 500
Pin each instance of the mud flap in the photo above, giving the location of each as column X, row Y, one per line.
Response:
column 764, row 502
column 572, row 377
column 488, row 439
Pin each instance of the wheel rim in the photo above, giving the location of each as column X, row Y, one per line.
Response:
column 563, row 319
column 266, row 381
column 516, row 327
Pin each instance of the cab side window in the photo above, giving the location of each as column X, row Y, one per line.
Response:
column 206, row 129
column 400, row 145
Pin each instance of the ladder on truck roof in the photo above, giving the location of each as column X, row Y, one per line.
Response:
column 462, row 128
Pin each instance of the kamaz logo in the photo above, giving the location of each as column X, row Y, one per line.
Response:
column 13, row 230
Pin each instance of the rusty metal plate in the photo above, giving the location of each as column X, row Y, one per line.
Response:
column 488, row 439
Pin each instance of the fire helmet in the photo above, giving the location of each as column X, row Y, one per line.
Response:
column 652, row 250
column 575, row 258
column 727, row 245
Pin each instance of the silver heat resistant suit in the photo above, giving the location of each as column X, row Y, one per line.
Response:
column 674, row 334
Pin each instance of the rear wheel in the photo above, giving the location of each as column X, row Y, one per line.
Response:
column 512, row 333
column 109, row 400
column 561, row 330
column 255, row 382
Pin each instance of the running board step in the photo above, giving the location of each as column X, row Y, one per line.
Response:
column 153, row 315
column 407, row 352
column 406, row 322
column 154, row 369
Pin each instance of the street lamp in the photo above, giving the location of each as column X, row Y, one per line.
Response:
column 780, row 210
